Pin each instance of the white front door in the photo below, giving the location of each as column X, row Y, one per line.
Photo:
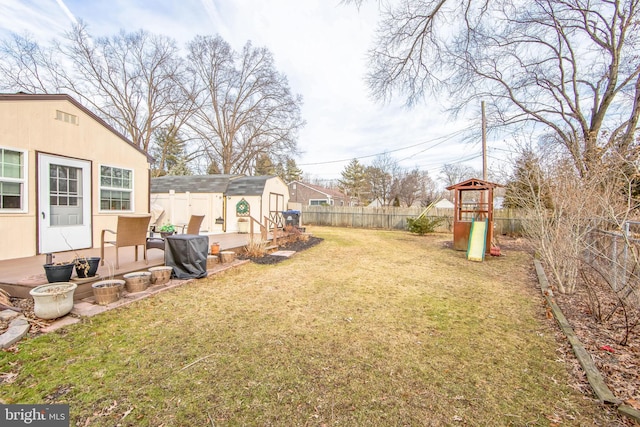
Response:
column 64, row 201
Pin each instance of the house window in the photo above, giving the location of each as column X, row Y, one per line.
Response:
column 318, row 202
column 116, row 189
column 66, row 117
column 12, row 180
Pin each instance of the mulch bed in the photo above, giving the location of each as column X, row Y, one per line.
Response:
column 297, row 246
column 619, row 364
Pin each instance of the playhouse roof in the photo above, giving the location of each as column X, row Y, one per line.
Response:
column 474, row 184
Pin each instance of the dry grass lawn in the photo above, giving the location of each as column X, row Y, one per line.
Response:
column 368, row 328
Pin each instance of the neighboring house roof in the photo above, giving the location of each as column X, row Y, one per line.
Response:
column 21, row 96
column 326, row 191
column 231, row 185
column 444, row 204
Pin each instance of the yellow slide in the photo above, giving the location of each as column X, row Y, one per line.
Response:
column 477, row 240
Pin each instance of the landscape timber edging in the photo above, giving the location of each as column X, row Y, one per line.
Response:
column 584, row 358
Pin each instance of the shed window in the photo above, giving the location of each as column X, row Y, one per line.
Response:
column 116, row 189
column 12, row 180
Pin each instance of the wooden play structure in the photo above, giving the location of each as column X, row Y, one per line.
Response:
column 473, row 202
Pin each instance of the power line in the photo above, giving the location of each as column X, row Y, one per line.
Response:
column 444, row 139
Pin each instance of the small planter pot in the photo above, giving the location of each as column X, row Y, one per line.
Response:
column 166, row 234
column 215, row 248
column 243, row 226
column 107, row 291
column 53, row 300
column 81, row 266
column 57, row 273
column 160, row 275
column 137, row 281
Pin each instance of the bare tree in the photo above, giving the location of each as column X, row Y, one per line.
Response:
column 569, row 67
column 409, row 185
column 242, row 107
column 26, row 66
column 453, row 173
column 130, row 79
column 381, row 176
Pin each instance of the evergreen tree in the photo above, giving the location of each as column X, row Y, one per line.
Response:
column 169, row 151
column 213, row 168
column 180, row 168
column 264, row 165
column 354, row 181
column 527, row 184
column 292, row 171
column 278, row 170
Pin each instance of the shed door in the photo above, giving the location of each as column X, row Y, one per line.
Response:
column 64, row 202
column 276, row 206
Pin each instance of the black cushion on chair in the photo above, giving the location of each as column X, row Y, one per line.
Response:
column 155, row 242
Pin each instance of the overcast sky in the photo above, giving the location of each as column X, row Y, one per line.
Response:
column 320, row 45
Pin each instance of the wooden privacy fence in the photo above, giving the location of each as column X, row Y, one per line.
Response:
column 506, row 221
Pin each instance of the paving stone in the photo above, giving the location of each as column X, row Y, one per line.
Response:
column 283, row 253
column 60, row 323
column 18, row 328
column 8, row 314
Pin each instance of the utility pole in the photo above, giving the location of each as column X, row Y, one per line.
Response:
column 484, row 144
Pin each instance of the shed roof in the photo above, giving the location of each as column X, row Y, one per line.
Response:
column 231, row 185
column 192, row 183
column 248, row 186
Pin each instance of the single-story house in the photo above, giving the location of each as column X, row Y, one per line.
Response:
column 65, row 175
column 444, row 204
column 226, row 201
column 314, row 195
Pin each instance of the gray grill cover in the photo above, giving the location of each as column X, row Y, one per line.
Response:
column 187, row 254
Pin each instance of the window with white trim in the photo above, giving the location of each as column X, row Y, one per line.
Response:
column 116, row 189
column 12, row 180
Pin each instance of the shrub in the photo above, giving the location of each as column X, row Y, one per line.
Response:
column 423, row 225
column 256, row 248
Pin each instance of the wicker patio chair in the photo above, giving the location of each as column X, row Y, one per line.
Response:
column 194, row 224
column 192, row 228
column 130, row 231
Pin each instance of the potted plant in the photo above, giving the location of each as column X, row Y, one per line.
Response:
column 137, row 281
column 243, row 225
column 59, row 271
column 107, row 291
column 53, row 300
column 167, row 230
column 86, row 266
